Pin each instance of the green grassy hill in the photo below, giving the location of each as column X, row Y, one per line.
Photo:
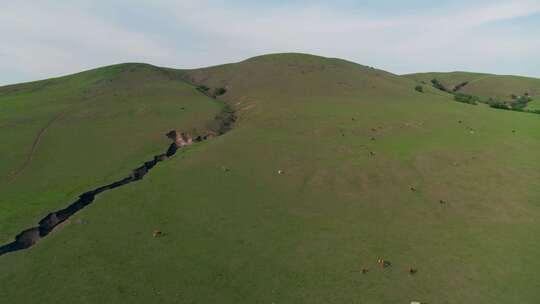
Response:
column 499, row 87
column 64, row 136
column 450, row 79
column 502, row 87
column 370, row 168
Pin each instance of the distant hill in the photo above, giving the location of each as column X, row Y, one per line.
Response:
column 485, row 85
column 330, row 168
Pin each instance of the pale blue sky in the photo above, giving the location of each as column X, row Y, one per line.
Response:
column 48, row 38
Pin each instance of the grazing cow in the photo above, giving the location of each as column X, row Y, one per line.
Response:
column 383, row 263
column 157, row 233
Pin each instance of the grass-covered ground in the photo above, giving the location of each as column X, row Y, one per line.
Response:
column 64, row 136
column 352, row 141
column 534, row 105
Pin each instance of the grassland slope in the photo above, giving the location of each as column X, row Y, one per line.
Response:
column 64, row 136
column 331, row 166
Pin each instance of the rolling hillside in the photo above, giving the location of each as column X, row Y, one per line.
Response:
column 499, row 87
column 63, row 136
column 330, row 167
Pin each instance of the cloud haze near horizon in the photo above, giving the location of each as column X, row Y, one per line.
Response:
column 42, row 39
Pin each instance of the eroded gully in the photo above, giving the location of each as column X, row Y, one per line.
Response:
column 29, row 237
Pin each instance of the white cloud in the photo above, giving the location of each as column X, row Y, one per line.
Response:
column 42, row 40
column 460, row 38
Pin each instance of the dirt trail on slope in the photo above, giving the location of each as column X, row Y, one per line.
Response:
column 13, row 176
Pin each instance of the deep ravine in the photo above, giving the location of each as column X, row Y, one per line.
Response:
column 29, row 237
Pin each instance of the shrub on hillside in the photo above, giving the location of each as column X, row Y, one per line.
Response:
column 521, row 102
column 220, row 91
column 465, row 98
column 419, row 88
column 498, row 105
column 203, row 88
column 518, row 104
column 460, row 86
column 438, row 85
